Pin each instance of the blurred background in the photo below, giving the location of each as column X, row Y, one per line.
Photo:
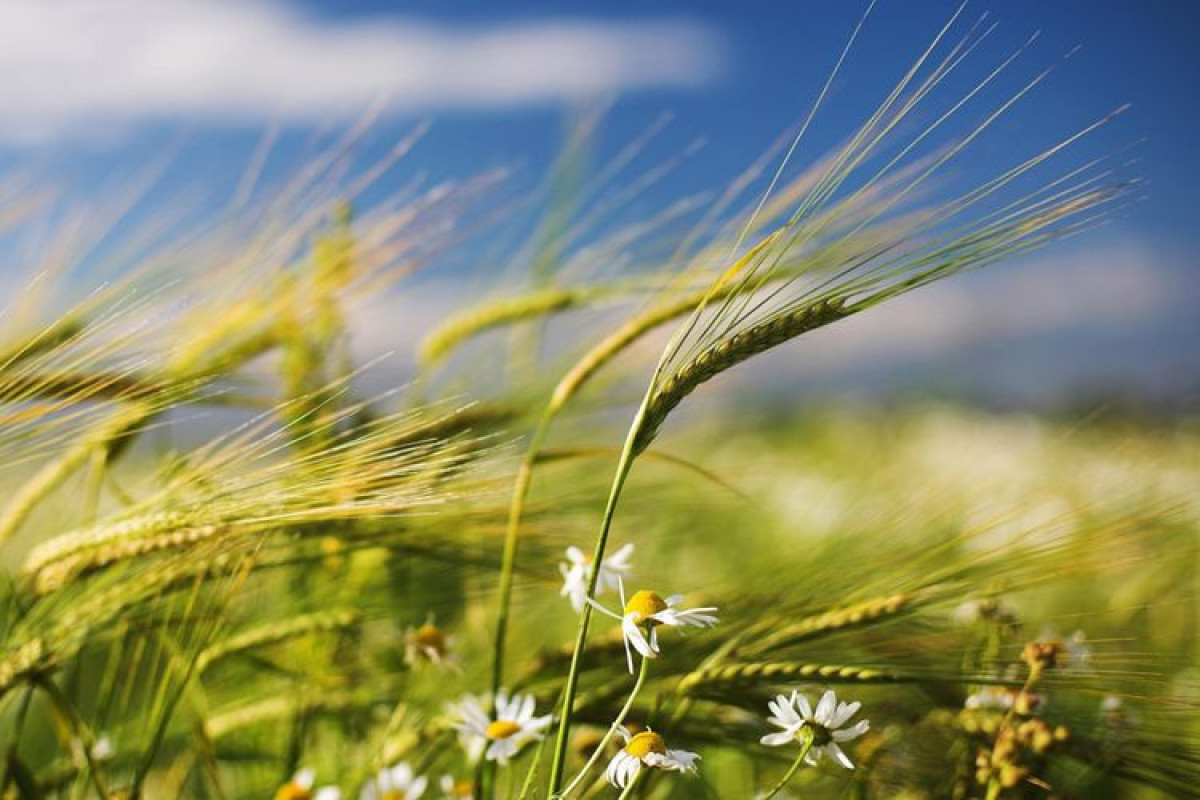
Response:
column 182, row 98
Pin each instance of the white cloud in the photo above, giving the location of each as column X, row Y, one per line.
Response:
column 68, row 65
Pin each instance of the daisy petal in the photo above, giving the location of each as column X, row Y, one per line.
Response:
column 801, row 702
column 837, row 755
column 777, row 739
column 843, row 714
column 853, row 732
column 825, row 708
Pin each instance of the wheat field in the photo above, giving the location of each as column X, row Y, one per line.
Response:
column 571, row 551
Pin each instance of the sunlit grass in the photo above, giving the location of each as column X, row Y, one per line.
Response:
column 229, row 570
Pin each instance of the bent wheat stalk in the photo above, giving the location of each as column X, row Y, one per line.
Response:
column 726, row 354
column 745, row 314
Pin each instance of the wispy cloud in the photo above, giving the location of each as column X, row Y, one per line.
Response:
column 69, row 65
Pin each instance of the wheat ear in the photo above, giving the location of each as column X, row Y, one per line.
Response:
column 741, row 675
column 727, row 354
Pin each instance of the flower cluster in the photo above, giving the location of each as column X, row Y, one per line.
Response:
column 496, row 730
column 1020, row 738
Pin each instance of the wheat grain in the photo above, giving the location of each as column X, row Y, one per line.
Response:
column 727, row 354
column 775, row 672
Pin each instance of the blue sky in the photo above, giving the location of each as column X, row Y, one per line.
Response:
column 90, row 88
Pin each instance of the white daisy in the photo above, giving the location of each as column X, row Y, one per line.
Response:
column 799, row 721
column 498, row 740
column 456, row 790
column 1072, row 652
column 646, row 748
column 397, row 782
column 578, row 571
column 645, row 612
column 990, row 698
column 103, row 749
column 429, row 643
column 1079, row 652
column 300, row 787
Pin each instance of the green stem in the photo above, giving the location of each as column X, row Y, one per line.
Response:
column 994, row 789
column 628, row 790
column 531, row 773
column 567, row 387
column 80, row 729
column 507, row 567
column 628, row 454
column 17, row 730
column 511, row 539
column 612, row 729
column 777, row 788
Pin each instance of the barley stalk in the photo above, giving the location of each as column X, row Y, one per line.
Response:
column 53, row 473
column 839, row 619
column 772, row 672
column 727, row 354
column 26, row 660
column 468, row 324
column 275, row 632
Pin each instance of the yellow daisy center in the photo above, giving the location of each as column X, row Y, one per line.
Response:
column 430, row 637
column 394, row 794
column 501, row 729
column 645, row 743
column 292, row 791
column 645, row 604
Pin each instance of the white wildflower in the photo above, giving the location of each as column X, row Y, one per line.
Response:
column 577, row 572
column 103, row 749
column 498, row 740
column 300, row 787
column 645, row 612
column 646, row 749
column 990, row 698
column 824, row 725
column 456, row 790
column 397, row 782
column 429, row 643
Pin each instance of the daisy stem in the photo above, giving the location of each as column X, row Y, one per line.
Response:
column 777, row 788
column 531, row 773
column 628, row 790
column 624, row 464
column 612, row 729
